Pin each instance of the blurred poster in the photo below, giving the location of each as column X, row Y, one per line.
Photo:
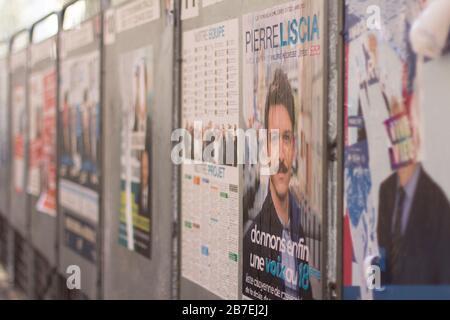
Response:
column 35, row 134
column 137, row 13
column 80, row 149
column 19, row 132
column 42, row 137
column 136, row 83
column 4, row 114
column 396, row 197
column 210, row 185
column 283, row 90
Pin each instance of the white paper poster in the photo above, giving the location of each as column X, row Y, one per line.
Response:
column 76, row 38
column 210, row 190
column 283, row 90
column 137, row 13
column 4, row 123
column 42, row 140
column 80, row 151
column 137, row 91
column 19, row 136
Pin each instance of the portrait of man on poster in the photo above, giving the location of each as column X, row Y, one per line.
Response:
column 280, row 215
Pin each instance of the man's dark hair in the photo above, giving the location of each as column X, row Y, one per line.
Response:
column 280, row 93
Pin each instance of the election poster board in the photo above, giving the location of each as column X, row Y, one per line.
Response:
column 396, row 197
column 5, row 154
column 19, row 133
column 136, row 82
column 4, row 131
column 80, row 118
column 42, row 137
column 283, row 91
column 42, row 134
column 137, row 195
column 210, row 186
column 79, row 169
column 80, row 128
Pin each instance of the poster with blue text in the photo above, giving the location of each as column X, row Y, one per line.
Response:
column 396, row 193
column 79, row 170
column 283, row 91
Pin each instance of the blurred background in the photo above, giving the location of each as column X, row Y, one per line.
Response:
column 18, row 14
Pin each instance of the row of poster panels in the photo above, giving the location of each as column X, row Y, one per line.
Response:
column 261, row 71
column 396, row 228
column 81, row 130
column 36, row 133
column 34, row 129
column 290, row 71
column 396, row 210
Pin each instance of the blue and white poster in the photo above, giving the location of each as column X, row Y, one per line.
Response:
column 396, row 197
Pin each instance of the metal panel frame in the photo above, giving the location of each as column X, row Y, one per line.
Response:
column 189, row 290
column 159, row 275
column 340, row 150
column 76, row 294
column 52, row 257
column 11, row 76
column 25, row 234
column 7, row 175
column 176, row 170
column 5, row 57
column 182, row 288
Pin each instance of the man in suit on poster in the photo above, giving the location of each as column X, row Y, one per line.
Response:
column 280, row 215
column 413, row 211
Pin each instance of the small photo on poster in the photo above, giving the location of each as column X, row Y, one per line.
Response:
column 136, row 69
column 80, row 117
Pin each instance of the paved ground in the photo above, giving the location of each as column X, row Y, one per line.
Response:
column 7, row 291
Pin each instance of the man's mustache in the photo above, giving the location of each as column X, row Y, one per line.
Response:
column 282, row 168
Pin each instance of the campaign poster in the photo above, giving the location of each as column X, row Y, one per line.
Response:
column 35, row 134
column 210, row 180
column 19, row 136
column 396, row 197
column 283, row 92
column 137, row 89
column 4, row 114
column 42, row 140
column 80, row 149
